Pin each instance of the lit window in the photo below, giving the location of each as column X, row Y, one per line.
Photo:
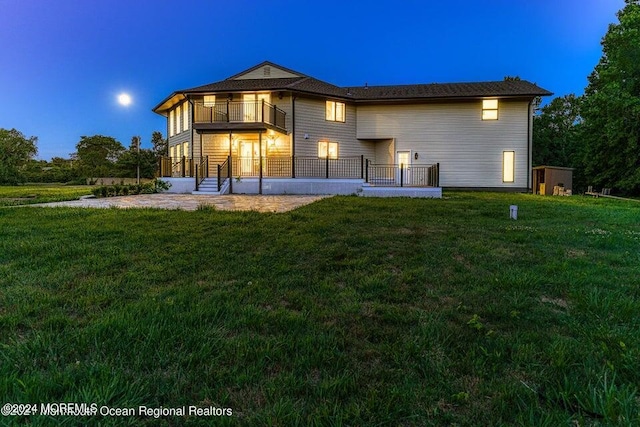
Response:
column 185, row 116
column 335, row 111
column 490, row 109
column 173, row 152
column 327, row 149
column 508, row 166
column 178, row 119
column 171, row 123
column 178, row 153
column 209, row 100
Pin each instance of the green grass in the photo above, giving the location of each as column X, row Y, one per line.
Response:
column 349, row 311
column 40, row 193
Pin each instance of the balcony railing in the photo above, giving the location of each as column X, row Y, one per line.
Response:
column 391, row 175
column 239, row 112
column 300, row 167
column 400, row 175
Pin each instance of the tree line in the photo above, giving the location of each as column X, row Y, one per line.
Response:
column 95, row 156
column 598, row 133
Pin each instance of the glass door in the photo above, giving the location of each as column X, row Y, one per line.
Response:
column 248, row 158
column 404, row 168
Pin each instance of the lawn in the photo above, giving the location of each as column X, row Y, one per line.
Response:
column 346, row 312
column 40, row 193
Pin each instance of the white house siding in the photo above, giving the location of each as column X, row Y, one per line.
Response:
column 184, row 135
column 310, row 120
column 181, row 138
column 453, row 134
column 266, row 72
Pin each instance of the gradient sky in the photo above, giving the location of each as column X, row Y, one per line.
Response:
column 64, row 62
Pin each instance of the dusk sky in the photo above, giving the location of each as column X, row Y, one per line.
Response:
column 63, row 63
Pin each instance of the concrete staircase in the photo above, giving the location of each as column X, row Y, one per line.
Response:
column 210, row 186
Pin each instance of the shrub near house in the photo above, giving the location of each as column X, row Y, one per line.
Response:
column 155, row 186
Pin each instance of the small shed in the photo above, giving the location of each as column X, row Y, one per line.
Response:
column 547, row 177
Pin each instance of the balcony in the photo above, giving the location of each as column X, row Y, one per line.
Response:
column 238, row 115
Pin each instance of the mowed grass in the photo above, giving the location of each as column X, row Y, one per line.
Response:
column 40, row 193
column 346, row 312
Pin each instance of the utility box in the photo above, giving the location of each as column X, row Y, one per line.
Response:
column 545, row 178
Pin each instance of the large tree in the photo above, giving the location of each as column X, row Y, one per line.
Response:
column 15, row 151
column 555, row 136
column 160, row 145
column 129, row 161
column 611, row 107
column 97, row 155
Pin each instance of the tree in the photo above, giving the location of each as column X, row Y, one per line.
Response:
column 129, row 160
column 15, row 151
column 97, row 155
column 555, row 138
column 160, row 145
column 611, row 107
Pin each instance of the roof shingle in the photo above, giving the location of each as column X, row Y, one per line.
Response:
column 313, row 86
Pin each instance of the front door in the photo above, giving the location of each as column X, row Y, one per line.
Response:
column 250, row 157
column 404, row 168
column 249, row 154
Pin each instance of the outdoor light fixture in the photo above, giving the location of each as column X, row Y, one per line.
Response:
column 415, row 156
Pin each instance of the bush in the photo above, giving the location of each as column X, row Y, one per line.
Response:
column 155, row 186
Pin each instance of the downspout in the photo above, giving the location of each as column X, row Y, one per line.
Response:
column 529, row 146
column 293, row 136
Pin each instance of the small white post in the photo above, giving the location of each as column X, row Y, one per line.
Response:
column 513, row 212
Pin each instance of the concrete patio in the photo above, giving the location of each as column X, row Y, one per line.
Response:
column 188, row 202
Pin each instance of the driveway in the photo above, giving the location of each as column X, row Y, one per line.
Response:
column 187, row 202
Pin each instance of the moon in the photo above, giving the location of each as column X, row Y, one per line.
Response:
column 124, row 99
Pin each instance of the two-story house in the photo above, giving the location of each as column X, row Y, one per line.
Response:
column 271, row 129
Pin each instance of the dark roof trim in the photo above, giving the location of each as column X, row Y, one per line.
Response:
column 366, row 94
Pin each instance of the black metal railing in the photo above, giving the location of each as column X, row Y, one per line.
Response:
column 178, row 167
column 224, row 172
column 239, row 112
column 201, row 171
column 300, row 167
column 400, row 175
column 390, row 175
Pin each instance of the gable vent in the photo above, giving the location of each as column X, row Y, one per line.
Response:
column 267, row 71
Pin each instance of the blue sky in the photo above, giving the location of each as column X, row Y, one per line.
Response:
column 63, row 62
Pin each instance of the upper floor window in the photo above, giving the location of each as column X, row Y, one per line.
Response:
column 172, row 120
column 335, row 111
column 178, row 116
column 185, row 116
column 209, row 100
column 489, row 109
column 327, row 149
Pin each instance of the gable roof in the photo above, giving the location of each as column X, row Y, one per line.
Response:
column 286, row 72
column 304, row 84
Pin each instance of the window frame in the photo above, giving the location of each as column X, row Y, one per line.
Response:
column 326, row 150
column 512, row 171
column 331, row 111
column 209, row 101
column 185, row 116
column 178, row 116
column 490, row 113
